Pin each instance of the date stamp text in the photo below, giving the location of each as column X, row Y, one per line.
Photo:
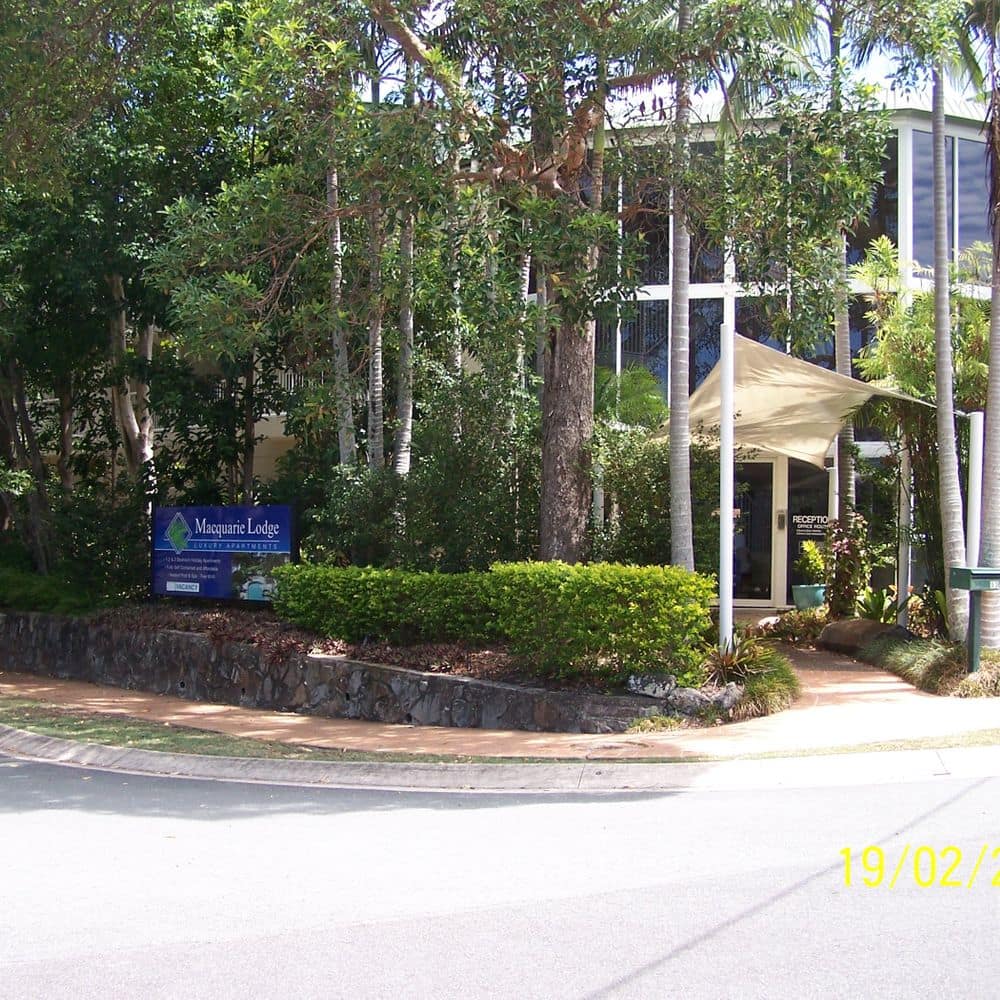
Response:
column 923, row 866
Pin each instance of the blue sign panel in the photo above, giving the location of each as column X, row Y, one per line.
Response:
column 226, row 552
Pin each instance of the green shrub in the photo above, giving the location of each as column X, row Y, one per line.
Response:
column 925, row 613
column 356, row 603
column 603, row 619
column 26, row 590
column 600, row 620
column 796, row 626
column 636, row 483
column 469, row 499
column 103, row 541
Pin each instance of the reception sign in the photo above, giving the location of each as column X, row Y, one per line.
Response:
column 220, row 552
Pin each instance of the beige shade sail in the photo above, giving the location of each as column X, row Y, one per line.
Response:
column 783, row 405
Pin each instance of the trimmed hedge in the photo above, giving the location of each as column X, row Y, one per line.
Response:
column 602, row 619
column 357, row 603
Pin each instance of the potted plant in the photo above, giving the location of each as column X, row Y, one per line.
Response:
column 811, row 568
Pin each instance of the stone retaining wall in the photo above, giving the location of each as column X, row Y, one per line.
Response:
column 192, row 666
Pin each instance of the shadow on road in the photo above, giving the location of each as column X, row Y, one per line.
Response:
column 28, row 785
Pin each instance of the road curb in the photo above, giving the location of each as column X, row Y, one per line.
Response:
column 589, row 777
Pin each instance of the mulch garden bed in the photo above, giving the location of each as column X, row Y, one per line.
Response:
column 278, row 639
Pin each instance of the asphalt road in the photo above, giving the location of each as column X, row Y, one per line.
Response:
column 123, row 886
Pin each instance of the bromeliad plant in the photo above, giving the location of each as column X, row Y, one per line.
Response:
column 880, row 605
column 743, row 657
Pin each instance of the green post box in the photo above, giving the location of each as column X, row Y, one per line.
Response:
column 974, row 579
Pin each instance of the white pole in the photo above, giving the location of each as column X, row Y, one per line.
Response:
column 726, row 485
column 976, row 439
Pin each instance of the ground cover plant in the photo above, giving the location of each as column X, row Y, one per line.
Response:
column 937, row 666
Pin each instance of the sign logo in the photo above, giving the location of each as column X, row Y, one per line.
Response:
column 178, row 533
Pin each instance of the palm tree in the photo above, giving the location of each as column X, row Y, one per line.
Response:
column 681, row 525
column 937, row 38
column 837, row 25
column 983, row 24
column 950, row 493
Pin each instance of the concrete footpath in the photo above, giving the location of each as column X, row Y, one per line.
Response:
column 843, row 704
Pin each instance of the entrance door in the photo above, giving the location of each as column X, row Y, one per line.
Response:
column 808, row 503
column 753, row 532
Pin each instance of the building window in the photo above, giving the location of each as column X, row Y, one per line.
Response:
column 647, row 219
column 923, row 196
column 752, row 321
column 883, row 218
column 644, row 333
column 973, row 194
column 705, row 318
column 707, row 257
column 862, row 331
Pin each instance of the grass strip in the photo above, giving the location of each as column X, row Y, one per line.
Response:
column 126, row 731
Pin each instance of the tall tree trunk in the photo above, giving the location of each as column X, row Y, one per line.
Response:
column 140, row 386
column 952, row 527
column 846, row 495
column 64, row 461
column 134, row 417
column 249, row 428
column 376, row 311
column 989, row 554
column 989, row 541
column 404, row 391
column 681, row 527
column 846, row 492
column 7, row 456
column 338, row 334
column 20, row 433
column 520, row 361
column 455, row 344
column 568, row 402
column 567, row 428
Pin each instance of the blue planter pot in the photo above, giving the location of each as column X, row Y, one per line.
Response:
column 809, row 595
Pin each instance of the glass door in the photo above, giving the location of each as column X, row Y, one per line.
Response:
column 808, row 504
column 753, row 531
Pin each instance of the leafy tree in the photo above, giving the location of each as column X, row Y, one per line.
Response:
column 905, row 353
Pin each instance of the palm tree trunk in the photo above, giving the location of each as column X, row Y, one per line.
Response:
column 338, row 335
column 842, row 353
column 990, row 535
column 404, row 390
column 846, row 495
column 989, row 551
column 376, row 432
column 950, row 489
column 681, row 528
